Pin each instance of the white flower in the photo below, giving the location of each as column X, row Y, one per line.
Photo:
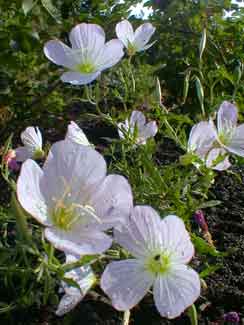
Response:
column 217, row 159
column 135, row 41
column 201, row 139
column 75, row 134
column 137, row 128
column 32, row 141
column 88, row 56
column 211, row 143
column 228, row 134
column 73, row 198
column 161, row 248
column 84, row 277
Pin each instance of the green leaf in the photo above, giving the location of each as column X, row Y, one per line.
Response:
column 203, row 247
column 87, row 259
column 186, row 86
column 27, row 5
column 200, row 93
column 209, row 204
column 202, row 44
column 53, row 11
column 209, row 270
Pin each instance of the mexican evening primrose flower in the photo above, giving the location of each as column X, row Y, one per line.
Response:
column 212, row 144
column 32, row 141
column 135, row 41
column 75, row 134
column 228, row 135
column 137, row 128
column 88, row 56
column 84, row 277
column 74, row 199
column 161, row 248
column 201, row 143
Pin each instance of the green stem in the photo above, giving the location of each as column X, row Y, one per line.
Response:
column 192, row 314
column 21, row 220
column 126, row 318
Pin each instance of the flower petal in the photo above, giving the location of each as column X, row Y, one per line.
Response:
column 74, row 168
column 113, row 201
column 84, row 277
column 67, row 303
column 124, row 32
column 112, row 54
column 75, row 134
column 121, row 127
column 227, row 117
column 142, row 36
column 29, row 191
column 149, row 130
column 126, row 283
column 22, row 154
column 84, row 36
column 32, row 138
column 177, row 239
column 60, row 54
column 142, row 235
column 76, row 78
column 201, row 138
column 137, row 118
column 78, row 243
column 213, row 155
column 176, row 291
column 237, row 142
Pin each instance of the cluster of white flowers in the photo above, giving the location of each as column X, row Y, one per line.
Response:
column 214, row 144
column 76, row 202
column 89, row 55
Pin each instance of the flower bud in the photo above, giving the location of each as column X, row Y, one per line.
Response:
column 232, row 317
column 200, row 220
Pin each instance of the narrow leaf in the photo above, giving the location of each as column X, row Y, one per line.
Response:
column 186, row 86
column 200, row 93
column 53, row 11
column 202, row 44
column 27, row 5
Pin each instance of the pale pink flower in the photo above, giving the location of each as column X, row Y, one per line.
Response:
column 135, row 41
column 137, row 128
column 32, row 141
column 162, row 249
column 88, row 55
column 73, row 198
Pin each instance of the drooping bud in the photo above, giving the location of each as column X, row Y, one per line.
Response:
column 232, row 317
column 10, row 160
column 200, row 220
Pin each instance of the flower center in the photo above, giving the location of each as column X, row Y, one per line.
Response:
column 85, row 67
column 66, row 214
column 159, row 263
column 38, row 154
column 131, row 50
column 64, row 217
column 225, row 137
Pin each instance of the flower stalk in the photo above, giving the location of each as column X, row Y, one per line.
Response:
column 21, row 220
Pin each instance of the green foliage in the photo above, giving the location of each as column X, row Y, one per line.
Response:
column 196, row 63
